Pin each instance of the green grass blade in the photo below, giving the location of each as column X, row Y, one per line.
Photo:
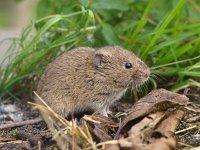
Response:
column 185, row 84
column 160, row 29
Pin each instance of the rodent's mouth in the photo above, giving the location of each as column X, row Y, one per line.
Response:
column 141, row 82
column 139, row 79
column 136, row 84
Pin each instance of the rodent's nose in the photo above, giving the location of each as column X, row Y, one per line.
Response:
column 147, row 73
column 144, row 74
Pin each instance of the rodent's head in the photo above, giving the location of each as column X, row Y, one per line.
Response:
column 121, row 67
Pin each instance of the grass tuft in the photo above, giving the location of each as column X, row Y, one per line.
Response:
column 166, row 35
column 38, row 45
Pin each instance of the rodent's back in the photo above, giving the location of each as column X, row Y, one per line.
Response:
column 56, row 86
column 64, row 66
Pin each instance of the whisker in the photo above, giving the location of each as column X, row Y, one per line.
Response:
column 154, row 83
column 158, row 77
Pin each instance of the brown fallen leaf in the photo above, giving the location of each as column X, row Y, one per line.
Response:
column 162, row 144
column 141, row 132
column 154, row 132
column 170, row 123
column 99, row 126
column 100, row 134
column 157, row 100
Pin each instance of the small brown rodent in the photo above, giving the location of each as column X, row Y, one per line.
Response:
column 87, row 79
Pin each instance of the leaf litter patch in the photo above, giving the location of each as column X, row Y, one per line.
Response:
column 150, row 123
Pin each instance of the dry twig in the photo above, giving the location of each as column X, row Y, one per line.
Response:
column 17, row 124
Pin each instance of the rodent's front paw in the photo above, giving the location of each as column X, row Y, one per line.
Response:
column 105, row 112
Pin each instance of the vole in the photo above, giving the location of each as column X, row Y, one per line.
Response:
column 86, row 79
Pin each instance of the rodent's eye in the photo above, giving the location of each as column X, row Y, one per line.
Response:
column 128, row 65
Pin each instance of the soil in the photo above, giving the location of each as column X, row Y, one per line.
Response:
column 30, row 133
column 37, row 136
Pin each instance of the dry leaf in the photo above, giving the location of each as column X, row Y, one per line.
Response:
column 154, row 132
column 157, row 100
column 102, row 136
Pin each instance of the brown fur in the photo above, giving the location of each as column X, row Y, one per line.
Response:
column 86, row 78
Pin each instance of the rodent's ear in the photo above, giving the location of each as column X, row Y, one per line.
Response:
column 101, row 57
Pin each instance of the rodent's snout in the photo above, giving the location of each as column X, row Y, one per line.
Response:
column 147, row 74
column 140, row 76
column 143, row 73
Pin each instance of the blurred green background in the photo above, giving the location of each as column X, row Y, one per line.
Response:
column 165, row 34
